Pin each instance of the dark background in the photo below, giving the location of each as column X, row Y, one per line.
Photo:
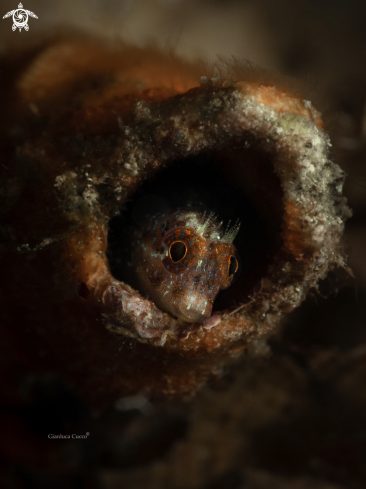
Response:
column 295, row 417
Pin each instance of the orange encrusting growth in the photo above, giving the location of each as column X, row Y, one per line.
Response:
column 292, row 237
column 283, row 101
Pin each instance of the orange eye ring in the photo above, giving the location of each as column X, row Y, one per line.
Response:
column 233, row 265
column 177, row 251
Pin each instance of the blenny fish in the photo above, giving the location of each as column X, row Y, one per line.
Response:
column 182, row 258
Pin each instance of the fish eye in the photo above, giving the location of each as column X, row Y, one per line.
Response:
column 233, row 265
column 177, row 251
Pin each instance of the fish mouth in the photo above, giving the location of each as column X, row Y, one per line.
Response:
column 191, row 316
column 197, row 310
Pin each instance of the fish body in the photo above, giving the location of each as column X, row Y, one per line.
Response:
column 182, row 260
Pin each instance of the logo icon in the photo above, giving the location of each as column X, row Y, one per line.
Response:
column 20, row 17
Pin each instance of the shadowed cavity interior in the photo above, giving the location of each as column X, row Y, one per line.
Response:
column 236, row 182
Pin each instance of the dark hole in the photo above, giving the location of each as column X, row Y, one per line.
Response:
column 83, row 290
column 237, row 182
column 233, row 265
column 177, row 251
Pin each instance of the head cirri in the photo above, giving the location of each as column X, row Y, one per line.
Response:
column 183, row 259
